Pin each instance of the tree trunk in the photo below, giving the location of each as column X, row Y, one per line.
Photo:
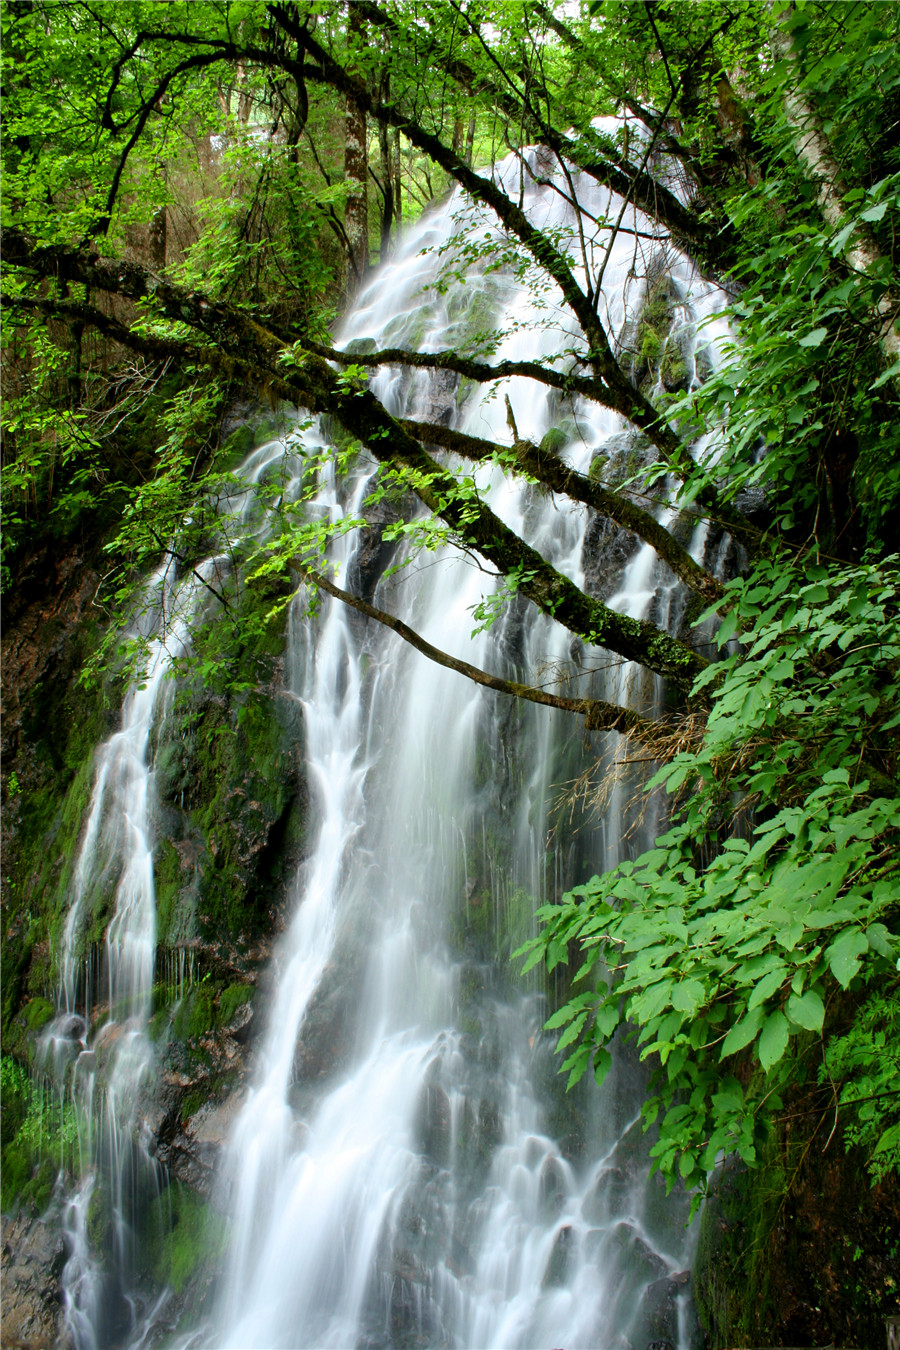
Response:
column 397, row 168
column 470, row 142
column 814, row 151
column 356, row 168
column 157, row 238
column 387, row 178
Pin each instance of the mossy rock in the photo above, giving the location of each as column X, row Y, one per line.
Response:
column 25, row 1182
column 50, row 817
column 37, row 1013
column 553, row 442
column 195, row 1014
column 673, row 371
column 181, row 1235
column 336, row 433
column 788, row 1254
column 407, row 331
column 233, row 997
column 361, row 346
column 472, row 311
column 227, row 765
column 599, row 467
column 99, row 1221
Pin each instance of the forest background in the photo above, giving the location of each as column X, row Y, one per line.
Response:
column 193, row 191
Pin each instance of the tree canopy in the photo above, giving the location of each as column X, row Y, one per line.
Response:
column 191, row 192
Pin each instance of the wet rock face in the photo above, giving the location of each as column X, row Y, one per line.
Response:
column 231, row 812
column 606, row 550
column 440, row 405
column 327, row 1034
column 49, row 728
column 203, row 1060
column 373, row 553
column 434, row 1125
column 659, row 1309
column 33, row 1256
column 558, row 1267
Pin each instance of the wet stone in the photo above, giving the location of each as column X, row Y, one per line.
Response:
column 552, row 1189
column 658, row 1317
column 606, row 551
column 33, row 1256
column 608, row 1196
column 435, row 1124
column 561, row 1258
column 632, row 1257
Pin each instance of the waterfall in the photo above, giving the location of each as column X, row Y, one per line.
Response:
column 405, row 1168
column 414, row 1189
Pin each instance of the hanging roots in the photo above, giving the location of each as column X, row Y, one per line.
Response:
column 652, row 744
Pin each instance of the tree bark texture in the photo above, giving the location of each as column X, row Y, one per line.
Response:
column 814, row 151
column 356, row 171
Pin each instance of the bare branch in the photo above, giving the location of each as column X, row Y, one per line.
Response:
column 598, row 715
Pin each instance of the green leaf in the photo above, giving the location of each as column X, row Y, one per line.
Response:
column 815, row 338
column 767, row 986
column 886, row 375
column 844, row 955
column 572, row 1031
column 806, row 1010
column 688, row 996
column 743, row 1033
column 773, row 1040
column 602, row 1064
column 727, row 627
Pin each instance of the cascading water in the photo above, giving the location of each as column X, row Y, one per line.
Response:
column 104, row 1070
column 405, row 1169
column 116, row 854
column 415, row 1190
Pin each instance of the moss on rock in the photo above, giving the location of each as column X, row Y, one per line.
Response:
column 789, row 1255
column 553, row 442
column 232, row 998
column 181, row 1235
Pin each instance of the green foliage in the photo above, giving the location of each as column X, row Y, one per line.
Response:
column 801, row 372
column 774, row 888
column 804, row 377
column 863, row 1067
column 39, row 1136
column 492, row 606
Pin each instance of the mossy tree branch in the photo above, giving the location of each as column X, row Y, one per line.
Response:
column 241, row 343
column 598, row 714
column 554, row 473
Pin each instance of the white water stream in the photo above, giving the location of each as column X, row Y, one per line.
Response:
column 405, row 1168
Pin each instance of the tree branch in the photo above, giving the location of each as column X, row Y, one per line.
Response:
column 598, row 715
column 242, row 343
column 471, row 369
column 560, row 477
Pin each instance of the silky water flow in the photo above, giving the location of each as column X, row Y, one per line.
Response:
column 405, row 1167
